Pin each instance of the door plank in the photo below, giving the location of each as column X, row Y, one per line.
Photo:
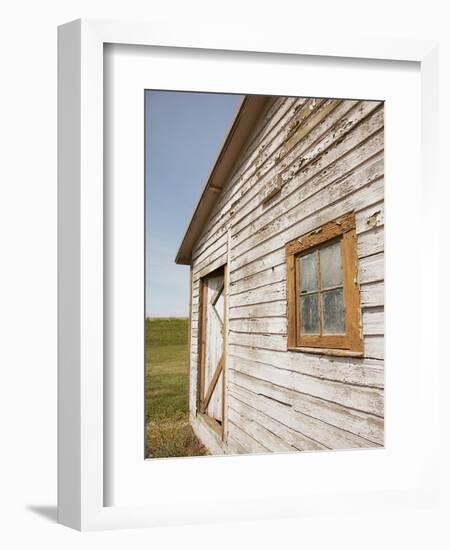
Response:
column 213, row 383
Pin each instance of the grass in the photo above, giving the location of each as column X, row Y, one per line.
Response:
column 168, row 432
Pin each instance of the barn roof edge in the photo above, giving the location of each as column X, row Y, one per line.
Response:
column 247, row 114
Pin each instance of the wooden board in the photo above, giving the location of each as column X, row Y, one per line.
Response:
column 213, row 346
column 308, row 162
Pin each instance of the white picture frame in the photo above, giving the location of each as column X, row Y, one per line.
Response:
column 82, row 483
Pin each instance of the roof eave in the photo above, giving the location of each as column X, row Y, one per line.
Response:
column 247, row 114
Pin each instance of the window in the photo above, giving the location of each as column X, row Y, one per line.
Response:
column 322, row 288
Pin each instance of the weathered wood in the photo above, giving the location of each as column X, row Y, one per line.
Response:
column 353, row 340
column 362, row 398
column 217, row 230
column 317, row 430
column 267, row 309
column 275, row 342
column 358, row 372
column 212, row 384
column 208, row 253
column 317, row 216
column 275, row 256
column 272, row 275
column 297, row 440
column 370, row 217
column 373, row 321
column 371, row 268
column 374, row 347
column 247, row 168
column 325, row 159
column 234, row 447
column 258, row 432
column 372, row 294
column 246, row 441
column 212, row 351
column 218, row 262
column 283, row 160
column 371, row 242
column 271, row 325
column 267, row 293
column 210, row 438
column 214, row 255
column 302, row 169
column 359, row 423
column 305, row 202
column 190, row 329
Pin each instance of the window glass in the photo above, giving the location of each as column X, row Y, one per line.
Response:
column 309, row 314
column 308, row 272
column 331, row 266
column 321, row 297
column 333, row 319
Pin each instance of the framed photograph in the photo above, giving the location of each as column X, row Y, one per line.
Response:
column 244, row 269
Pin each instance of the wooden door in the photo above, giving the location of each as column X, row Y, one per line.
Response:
column 211, row 389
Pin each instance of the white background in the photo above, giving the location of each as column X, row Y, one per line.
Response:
column 277, row 478
column 28, row 269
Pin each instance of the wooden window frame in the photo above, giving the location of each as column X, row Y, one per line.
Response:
column 350, row 343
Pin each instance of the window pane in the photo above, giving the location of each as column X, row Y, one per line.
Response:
column 331, row 265
column 308, row 272
column 333, row 312
column 309, row 312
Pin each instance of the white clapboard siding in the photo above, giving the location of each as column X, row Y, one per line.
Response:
column 317, row 430
column 264, row 156
column 327, row 158
column 241, row 176
column 277, row 257
column 304, row 169
column 233, row 446
column 374, row 347
column 271, row 325
column 373, row 321
column 348, row 370
column 245, row 441
column 370, row 217
column 272, row 275
column 353, row 201
column 265, row 173
column 372, row 294
column 266, row 293
column 212, row 247
column 370, row 242
column 218, row 262
column 303, row 203
column 216, row 229
column 276, row 342
column 371, row 268
column 362, row 398
column 214, row 255
column 295, row 439
column 365, row 425
column 257, row 431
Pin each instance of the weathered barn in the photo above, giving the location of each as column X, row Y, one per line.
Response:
column 287, row 266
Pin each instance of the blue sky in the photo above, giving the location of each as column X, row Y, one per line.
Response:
column 184, row 131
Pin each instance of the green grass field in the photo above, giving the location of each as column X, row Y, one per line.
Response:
column 168, row 432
